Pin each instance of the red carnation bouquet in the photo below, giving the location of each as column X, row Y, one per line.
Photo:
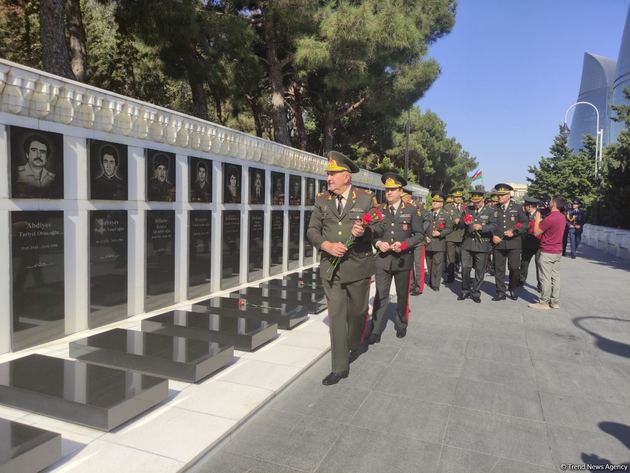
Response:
column 369, row 218
column 440, row 226
column 468, row 219
column 518, row 225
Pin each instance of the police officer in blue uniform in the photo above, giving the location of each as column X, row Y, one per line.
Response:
column 396, row 238
column 576, row 218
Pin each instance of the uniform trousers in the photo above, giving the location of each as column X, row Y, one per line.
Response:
column 513, row 258
column 470, row 260
column 347, row 312
column 402, row 280
column 453, row 257
column 435, row 267
column 417, row 279
column 526, row 257
column 575, row 237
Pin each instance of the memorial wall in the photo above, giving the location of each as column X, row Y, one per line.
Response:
column 111, row 207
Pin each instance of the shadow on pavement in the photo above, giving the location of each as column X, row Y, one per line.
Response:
column 602, row 258
column 603, row 343
column 622, row 433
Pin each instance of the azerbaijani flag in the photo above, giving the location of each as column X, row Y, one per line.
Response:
column 477, row 175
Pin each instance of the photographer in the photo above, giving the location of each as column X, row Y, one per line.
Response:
column 551, row 231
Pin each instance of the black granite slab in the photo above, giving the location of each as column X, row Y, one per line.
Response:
column 277, row 242
column 256, row 245
column 230, row 248
column 295, row 217
column 160, row 259
column 286, row 315
column 26, row 449
column 308, row 248
column 309, row 300
column 78, row 392
column 160, row 355
column 243, row 333
column 294, row 285
column 199, row 252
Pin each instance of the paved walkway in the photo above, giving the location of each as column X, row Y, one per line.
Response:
column 490, row 387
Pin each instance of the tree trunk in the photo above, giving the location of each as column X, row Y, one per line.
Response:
column 329, row 132
column 256, row 112
column 76, row 33
column 55, row 58
column 297, row 113
column 199, row 98
column 278, row 107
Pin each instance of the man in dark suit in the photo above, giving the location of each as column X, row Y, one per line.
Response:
column 478, row 222
column 438, row 224
column 511, row 224
column 396, row 239
column 335, row 220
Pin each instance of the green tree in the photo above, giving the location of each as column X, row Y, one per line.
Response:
column 547, row 176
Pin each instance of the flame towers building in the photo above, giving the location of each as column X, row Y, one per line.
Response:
column 603, row 82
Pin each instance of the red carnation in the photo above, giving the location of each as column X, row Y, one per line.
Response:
column 378, row 213
column 403, row 246
column 468, row 219
column 518, row 225
column 440, row 225
column 366, row 219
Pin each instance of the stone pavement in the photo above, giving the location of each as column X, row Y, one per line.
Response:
column 490, row 387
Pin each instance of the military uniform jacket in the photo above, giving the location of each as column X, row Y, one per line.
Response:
column 443, row 223
column 479, row 240
column 512, row 218
column 327, row 225
column 530, row 241
column 404, row 226
column 455, row 211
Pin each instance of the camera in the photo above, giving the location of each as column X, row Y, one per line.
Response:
column 543, row 207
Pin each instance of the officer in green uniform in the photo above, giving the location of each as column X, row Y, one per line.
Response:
column 512, row 223
column 417, row 277
column 335, row 219
column 454, row 239
column 478, row 222
column 396, row 238
column 491, row 202
column 438, row 224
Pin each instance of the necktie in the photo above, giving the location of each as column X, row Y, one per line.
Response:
column 391, row 210
column 339, row 204
column 435, row 215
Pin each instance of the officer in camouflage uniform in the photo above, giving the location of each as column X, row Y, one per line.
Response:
column 478, row 222
column 454, row 239
column 396, row 239
column 335, row 219
column 512, row 223
column 438, row 224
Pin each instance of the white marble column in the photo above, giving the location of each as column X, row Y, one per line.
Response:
column 137, row 228
column 181, row 228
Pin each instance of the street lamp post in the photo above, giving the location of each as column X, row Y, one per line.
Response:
column 599, row 144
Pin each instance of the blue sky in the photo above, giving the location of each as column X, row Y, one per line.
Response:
column 510, row 70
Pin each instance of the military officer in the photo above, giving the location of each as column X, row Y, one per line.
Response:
column 417, row 277
column 454, row 239
column 530, row 242
column 396, row 238
column 478, row 222
column 438, row 224
column 511, row 224
column 335, row 219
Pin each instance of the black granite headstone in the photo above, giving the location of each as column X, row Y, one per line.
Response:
column 295, row 190
column 277, row 241
column 309, row 300
column 108, row 170
column 165, row 356
column 232, row 180
column 78, row 392
column 108, row 266
column 308, row 248
column 255, row 247
column 277, row 188
column 36, row 164
column 231, row 248
column 160, row 176
column 256, row 186
column 310, row 191
column 200, row 179
column 243, row 333
column 323, row 186
column 24, row 448
column 199, row 252
column 294, row 239
column 37, row 249
column 160, row 263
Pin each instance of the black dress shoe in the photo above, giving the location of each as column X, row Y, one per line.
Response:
column 512, row 295
column 463, row 296
column 354, row 354
column 477, row 299
column 499, row 297
column 449, row 280
column 415, row 292
column 374, row 338
column 334, row 378
column 401, row 332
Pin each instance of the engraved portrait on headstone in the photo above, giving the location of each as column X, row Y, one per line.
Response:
column 231, row 183
column 36, row 164
column 256, row 186
column 277, row 188
column 200, row 179
column 295, row 190
column 323, row 186
column 108, row 170
column 161, row 176
column 310, row 191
